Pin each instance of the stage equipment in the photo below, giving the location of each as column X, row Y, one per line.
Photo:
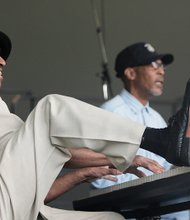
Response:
column 105, row 78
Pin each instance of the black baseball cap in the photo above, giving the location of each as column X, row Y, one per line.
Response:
column 5, row 45
column 139, row 54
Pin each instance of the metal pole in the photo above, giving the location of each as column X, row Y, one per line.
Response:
column 106, row 82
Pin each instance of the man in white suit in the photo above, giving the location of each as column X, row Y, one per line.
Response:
column 32, row 153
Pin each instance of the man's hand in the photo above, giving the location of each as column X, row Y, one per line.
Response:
column 91, row 173
column 69, row 180
column 140, row 161
column 66, row 182
column 83, row 157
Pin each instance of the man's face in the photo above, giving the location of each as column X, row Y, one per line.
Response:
column 2, row 64
column 149, row 79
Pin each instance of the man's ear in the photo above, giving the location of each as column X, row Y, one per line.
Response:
column 130, row 73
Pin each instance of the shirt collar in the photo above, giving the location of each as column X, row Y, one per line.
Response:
column 134, row 103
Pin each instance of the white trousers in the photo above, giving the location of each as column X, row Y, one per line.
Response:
column 58, row 214
column 34, row 154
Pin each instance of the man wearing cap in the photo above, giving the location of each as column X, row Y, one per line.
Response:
column 32, row 153
column 142, row 71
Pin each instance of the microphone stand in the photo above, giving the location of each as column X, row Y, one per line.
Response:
column 105, row 78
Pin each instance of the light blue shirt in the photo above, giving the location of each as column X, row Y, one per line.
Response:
column 126, row 105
